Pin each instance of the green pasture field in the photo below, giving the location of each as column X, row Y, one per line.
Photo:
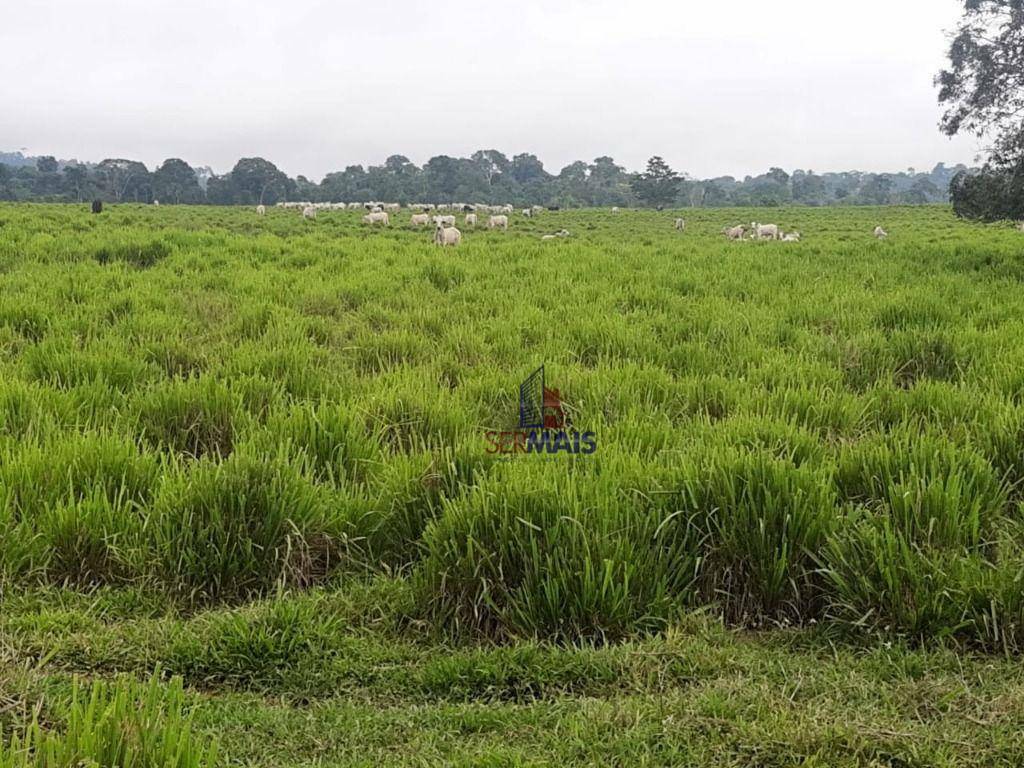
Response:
column 250, row 461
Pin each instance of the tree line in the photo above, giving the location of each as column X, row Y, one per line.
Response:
column 487, row 176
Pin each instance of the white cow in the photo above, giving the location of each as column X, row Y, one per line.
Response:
column 447, row 236
column 880, row 233
column 309, row 212
column 615, row 209
column 498, row 221
column 791, row 237
column 444, row 221
column 1020, row 226
column 261, row 210
column 470, row 219
column 735, row 233
column 681, row 225
column 420, row 219
column 557, row 235
column 377, row 217
column 765, row 231
column 527, row 212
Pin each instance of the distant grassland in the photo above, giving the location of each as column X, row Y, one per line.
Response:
column 251, row 450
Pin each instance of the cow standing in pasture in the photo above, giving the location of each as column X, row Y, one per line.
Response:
column 765, row 231
column 445, row 236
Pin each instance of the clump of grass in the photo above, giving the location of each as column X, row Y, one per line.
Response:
column 444, row 277
column 927, row 356
column 140, row 254
column 406, row 495
column 194, row 418
column 43, row 475
column 513, row 559
column 937, row 492
column 177, row 359
column 29, row 322
column 330, row 443
column 57, row 366
column 83, row 541
column 913, row 552
column 235, row 529
column 1001, row 441
column 123, row 723
column 259, row 645
column 764, row 521
column 27, row 410
column 880, row 578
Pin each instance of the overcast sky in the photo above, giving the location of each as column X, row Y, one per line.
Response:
column 714, row 87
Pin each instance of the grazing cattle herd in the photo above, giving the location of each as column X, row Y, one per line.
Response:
column 442, row 216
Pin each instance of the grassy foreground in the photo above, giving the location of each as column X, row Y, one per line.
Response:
column 249, row 453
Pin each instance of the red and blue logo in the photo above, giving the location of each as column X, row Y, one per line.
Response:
column 544, row 425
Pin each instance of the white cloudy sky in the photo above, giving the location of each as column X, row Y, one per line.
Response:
column 314, row 85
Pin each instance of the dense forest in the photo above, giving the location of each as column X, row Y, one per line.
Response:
column 486, row 176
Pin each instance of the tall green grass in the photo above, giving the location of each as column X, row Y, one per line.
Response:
column 124, row 723
column 235, row 529
column 199, row 402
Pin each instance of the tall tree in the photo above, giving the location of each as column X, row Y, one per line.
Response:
column 76, row 181
column 983, row 88
column 528, row 168
column 442, row 176
column 258, row 181
column 983, row 92
column 491, row 163
column 123, row 180
column 175, row 182
column 658, row 184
